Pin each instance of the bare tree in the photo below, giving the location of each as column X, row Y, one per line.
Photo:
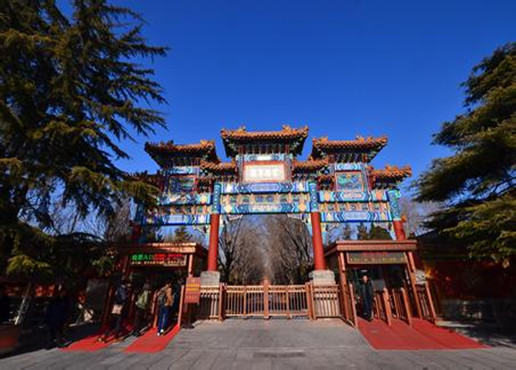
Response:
column 229, row 243
column 289, row 254
column 416, row 214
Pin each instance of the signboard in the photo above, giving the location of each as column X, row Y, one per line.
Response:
column 376, row 258
column 261, row 172
column 193, row 290
column 158, row 259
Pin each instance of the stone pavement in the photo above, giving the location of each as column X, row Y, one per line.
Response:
column 259, row 344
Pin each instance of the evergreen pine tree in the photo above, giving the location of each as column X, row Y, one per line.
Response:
column 182, row 235
column 71, row 88
column 477, row 182
column 362, row 232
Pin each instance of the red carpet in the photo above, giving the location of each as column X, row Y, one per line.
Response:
column 91, row 343
column 449, row 338
column 150, row 342
column 423, row 335
column 88, row 344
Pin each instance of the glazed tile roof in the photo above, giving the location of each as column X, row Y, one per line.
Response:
column 295, row 138
column 368, row 146
column 309, row 165
column 166, row 153
column 220, row 168
column 390, row 174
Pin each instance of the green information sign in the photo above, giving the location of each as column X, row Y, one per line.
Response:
column 158, row 259
column 376, row 258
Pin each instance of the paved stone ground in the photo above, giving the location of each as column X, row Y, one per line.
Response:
column 258, row 344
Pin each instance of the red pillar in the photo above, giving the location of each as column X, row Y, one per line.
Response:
column 399, row 231
column 213, row 249
column 319, row 261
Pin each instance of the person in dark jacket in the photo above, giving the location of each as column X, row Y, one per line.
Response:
column 56, row 319
column 118, row 311
column 366, row 291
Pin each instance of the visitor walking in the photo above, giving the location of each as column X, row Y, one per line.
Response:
column 366, row 291
column 57, row 315
column 142, row 305
column 165, row 301
column 117, row 312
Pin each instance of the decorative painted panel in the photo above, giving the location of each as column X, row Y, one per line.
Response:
column 177, row 219
column 265, row 203
column 363, row 216
column 355, row 206
column 181, row 170
column 347, row 196
column 264, row 157
column 348, row 166
column 349, row 181
column 265, row 208
column 272, row 187
column 394, row 195
column 216, row 197
column 314, row 204
column 179, row 184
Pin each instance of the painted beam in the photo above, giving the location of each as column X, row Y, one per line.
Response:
column 352, row 196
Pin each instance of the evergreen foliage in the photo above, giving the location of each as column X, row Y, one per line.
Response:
column 372, row 233
column 181, row 235
column 346, row 232
column 70, row 91
column 477, row 181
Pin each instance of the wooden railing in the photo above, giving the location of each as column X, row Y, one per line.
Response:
column 210, row 303
column 400, row 305
column 326, row 301
column 425, row 301
column 348, row 308
column 382, row 307
column 289, row 301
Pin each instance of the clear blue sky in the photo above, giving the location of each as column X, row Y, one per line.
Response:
column 344, row 68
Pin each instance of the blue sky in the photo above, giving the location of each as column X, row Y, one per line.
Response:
column 344, row 68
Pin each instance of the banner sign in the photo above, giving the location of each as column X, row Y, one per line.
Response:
column 193, row 290
column 158, row 259
column 376, row 258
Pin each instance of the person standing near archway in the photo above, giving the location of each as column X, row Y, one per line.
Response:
column 165, row 301
column 366, row 296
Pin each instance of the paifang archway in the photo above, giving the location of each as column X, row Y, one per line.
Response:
column 336, row 184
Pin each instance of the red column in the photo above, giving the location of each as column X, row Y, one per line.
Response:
column 319, row 261
column 399, row 231
column 213, row 249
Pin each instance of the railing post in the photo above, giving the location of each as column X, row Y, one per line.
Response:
column 430, row 303
column 221, row 301
column 308, row 301
column 266, row 299
column 181, row 308
column 244, row 309
column 312, row 301
column 407, row 307
column 353, row 307
column 288, row 302
column 387, row 306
